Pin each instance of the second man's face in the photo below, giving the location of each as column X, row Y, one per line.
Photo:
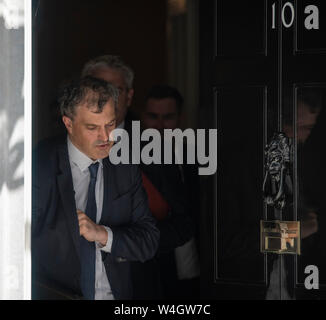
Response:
column 90, row 131
column 116, row 78
column 161, row 114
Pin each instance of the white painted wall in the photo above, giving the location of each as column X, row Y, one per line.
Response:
column 15, row 151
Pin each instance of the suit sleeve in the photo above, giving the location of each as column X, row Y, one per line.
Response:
column 138, row 240
column 177, row 228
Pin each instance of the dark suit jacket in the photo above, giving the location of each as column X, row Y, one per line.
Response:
column 55, row 230
column 175, row 230
column 156, row 278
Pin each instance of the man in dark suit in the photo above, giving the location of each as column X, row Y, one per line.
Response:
column 113, row 69
column 173, row 192
column 173, row 219
column 90, row 218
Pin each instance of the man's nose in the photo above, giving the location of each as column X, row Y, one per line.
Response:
column 104, row 134
column 160, row 124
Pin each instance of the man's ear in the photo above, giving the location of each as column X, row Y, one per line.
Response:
column 130, row 95
column 68, row 123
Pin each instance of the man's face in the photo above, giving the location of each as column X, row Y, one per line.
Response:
column 306, row 120
column 161, row 114
column 90, row 131
column 125, row 95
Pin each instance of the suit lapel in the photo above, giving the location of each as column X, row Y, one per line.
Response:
column 66, row 190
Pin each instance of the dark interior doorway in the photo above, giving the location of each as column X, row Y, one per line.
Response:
column 158, row 39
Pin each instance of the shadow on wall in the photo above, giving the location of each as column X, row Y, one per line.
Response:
column 11, row 107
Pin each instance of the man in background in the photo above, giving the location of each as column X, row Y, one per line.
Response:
column 114, row 70
column 177, row 187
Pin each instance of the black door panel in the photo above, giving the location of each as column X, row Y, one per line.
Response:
column 267, row 70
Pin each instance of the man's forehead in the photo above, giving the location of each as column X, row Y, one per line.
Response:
column 164, row 105
column 108, row 74
column 306, row 111
column 89, row 106
column 306, row 115
column 93, row 98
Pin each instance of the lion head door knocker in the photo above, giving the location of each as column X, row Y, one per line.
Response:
column 277, row 182
column 281, row 237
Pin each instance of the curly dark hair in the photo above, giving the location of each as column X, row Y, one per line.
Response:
column 95, row 92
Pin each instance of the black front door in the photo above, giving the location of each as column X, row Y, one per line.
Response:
column 266, row 73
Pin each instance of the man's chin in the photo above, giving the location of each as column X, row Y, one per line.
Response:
column 102, row 155
column 102, row 152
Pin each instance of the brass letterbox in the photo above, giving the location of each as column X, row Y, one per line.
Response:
column 281, row 237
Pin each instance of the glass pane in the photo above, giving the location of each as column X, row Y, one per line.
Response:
column 309, row 134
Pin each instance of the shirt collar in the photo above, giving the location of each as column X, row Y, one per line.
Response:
column 79, row 158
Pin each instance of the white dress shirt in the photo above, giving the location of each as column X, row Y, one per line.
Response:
column 79, row 163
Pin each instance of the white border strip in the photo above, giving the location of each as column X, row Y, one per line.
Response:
column 27, row 146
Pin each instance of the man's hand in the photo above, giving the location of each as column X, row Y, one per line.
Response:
column 90, row 230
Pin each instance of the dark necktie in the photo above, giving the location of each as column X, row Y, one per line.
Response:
column 87, row 278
